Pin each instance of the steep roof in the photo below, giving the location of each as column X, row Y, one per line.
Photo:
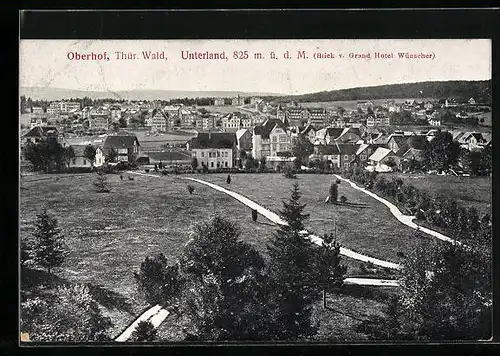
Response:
column 361, row 148
column 79, row 150
column 240, row 133
column 478, row 136
column 121, row 141
column 334, row 132
column 41, row 131
column 265, row 129
column 398, row 139
column 457, row 135
column 308, row 128
column 379, row 154
column 347, row 148
column 213, row 140
column 327, row 150
column 352, row 130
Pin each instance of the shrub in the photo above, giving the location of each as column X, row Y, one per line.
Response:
column 289, row 171
column 78, row 170
column 101, row 183
column 190, row 189
column 147, row 170
column 254, row 214
column 194, row 163
column 130, row 178
column 334, row 192
column 145, row 331
column 343, row 199
column 164, row 172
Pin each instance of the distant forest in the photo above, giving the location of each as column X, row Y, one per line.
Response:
column 460, row 90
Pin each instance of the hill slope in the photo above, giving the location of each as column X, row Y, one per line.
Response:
column 460, row 89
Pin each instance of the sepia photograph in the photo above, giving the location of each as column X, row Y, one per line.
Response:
column 263, row 190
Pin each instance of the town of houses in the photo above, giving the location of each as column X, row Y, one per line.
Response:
column 264, row 130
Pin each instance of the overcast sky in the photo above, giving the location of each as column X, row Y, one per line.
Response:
column 44, row 63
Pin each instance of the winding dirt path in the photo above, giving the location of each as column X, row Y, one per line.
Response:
column 277, row 220
column 156, row 314
column 404, row 219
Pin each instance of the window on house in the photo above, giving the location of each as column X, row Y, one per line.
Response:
column 346, row 165
column 202, row 154
column 274, row 147
column 212, row 164
column 84, row 162
column 218, row 154
column 275, row 139
column 346, row 157
column 74, row 160
column 225, row 163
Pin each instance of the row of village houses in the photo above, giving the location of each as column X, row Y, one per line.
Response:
column 99, row 120
column 429, row 112
column 157, row 118
column 272, row 140
column 172, row 117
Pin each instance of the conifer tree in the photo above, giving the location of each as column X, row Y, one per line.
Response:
column 101, row 183
column 292, row 273
column 292, row 211
column 330, row 271
column 49, row 248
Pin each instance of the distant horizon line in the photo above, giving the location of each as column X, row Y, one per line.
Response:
column 253, row 92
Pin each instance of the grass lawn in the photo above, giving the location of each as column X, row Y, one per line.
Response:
column 371, row 230
column 468, row 191
column 109, row 235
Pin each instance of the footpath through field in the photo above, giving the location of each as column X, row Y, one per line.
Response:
column 156, row 314
column 278, row 220
column 404, row 219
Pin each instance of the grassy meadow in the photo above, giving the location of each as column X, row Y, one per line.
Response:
column 468, row 191
column 371, row 229
column 110, row 234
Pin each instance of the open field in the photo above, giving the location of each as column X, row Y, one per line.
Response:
column 371, row 230
column 468, row 191
column 109, row 235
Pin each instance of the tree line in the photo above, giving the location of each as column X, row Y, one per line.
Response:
column 443, row 212
column 461, row 90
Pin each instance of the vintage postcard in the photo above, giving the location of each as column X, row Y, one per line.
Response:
column 179, row 191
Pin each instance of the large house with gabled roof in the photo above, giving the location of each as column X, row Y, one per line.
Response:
column 270, row 139
column 214, row 149
column 126, row 147
column 80, row 160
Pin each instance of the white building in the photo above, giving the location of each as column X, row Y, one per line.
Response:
column 270, row 138
column 214, row 149
column 81, row 161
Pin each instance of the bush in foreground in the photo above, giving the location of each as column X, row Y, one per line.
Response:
column 72, row 315
column 144, row 332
